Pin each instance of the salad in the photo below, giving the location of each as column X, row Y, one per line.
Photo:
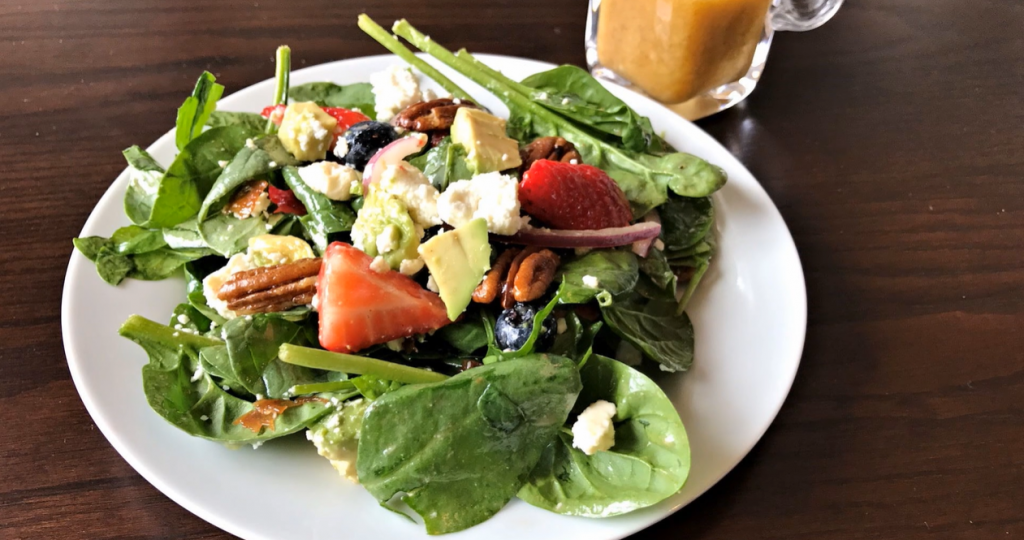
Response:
column 453, row 307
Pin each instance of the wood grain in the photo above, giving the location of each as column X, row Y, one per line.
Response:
column 891, row 140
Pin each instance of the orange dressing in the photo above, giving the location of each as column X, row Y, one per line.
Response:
column 265, row 412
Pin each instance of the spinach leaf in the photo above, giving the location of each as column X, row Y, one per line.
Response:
column 193, row 113
column 227, row 235
column 649, row 462
column 216, row 362
column 685, row 221
column 251, row 121
column 144, row 176
column 184, row 235
column 443, row 164
column 254, row 160
column 195, row 272
column 573, row 93
column 178, row 194
column 189, row 398
column 373, row 387
column 358, row 96
column 467, row 336
column 136, row 253
column 441, row 444
column 252, row 345
column 324, row 218
column 656, row 267
column 616, row 272
column 645, row 178
column 654, row 328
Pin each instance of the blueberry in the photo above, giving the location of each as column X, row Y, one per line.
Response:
column 515, row 325
column 365, row 139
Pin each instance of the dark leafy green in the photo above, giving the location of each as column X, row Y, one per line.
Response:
column 460, row 449
column 144, row 176
column 325, row 219
column 655, row 328
column 648, row 463
column 251, row 121
column 193, row 113
column 466, row 336
column 373, row 387
column 443, row 164
column 354, row 96
column 616, row 272
column 253, row 161
column 195, row 272
column 227, row 235
column 252, row 346
column 685, row 221
column 135, row 252
column 189, row 398
column 656, row 268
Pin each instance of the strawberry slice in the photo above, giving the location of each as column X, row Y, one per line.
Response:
column 360, row 307
column 286, row 201
column 575, row 197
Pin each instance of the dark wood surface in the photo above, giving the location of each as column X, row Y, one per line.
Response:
column 892, row 140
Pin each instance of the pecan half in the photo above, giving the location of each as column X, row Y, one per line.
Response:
column 535, row 275
column 553, row 148
column 270, row 289
column 508, row 298
column 489, row 288
column 246, row 200
column 429, row 116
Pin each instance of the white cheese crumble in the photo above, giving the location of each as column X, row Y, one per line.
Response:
column 223, row 163
column 432, row 285
column 410, row 267
column 198, row 373
column 394, row 89
column 591, row 281
column 183, row 319
column 341, row 147
column 379, row 265
column 659, row 245
column 409, row 185
column 593, row 430
column 335, row 181
column 388, row 239
column 492, row 196
column 561, row 325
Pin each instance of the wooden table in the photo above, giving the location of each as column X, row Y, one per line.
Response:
column 891, row 140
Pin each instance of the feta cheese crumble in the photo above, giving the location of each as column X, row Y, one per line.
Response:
column 379, row 265
column 561, row 325
column 593, row 430
column 388, row 239
column 333, row 180
column 410, row 267
column 394, row 89
column 432, row 285
column 492, row 196
column 591, row 281
column 409, row 185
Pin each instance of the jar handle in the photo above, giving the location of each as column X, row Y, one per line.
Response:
column 801, row 15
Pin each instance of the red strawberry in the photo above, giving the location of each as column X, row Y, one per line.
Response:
column 286, row 201
column 576, row 197
column 360, row 307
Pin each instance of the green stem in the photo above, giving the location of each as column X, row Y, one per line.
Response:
column 320, row 388
column 392, row 44
column 692, row 286
column 519, row 87
column 360, row 365
column 283, row 75
column 138, row 327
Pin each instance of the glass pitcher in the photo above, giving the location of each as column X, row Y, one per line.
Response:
column 697, row 57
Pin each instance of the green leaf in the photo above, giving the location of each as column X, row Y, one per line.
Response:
column 325, row 219
column 459, row 449
column 649, row 462
column 253, row 161
column 132, row 240
column 685, row 221
column 136, row 253
column 443, row 164
column 251, row 121
column 573, row 93
column 252, row 344
column 616, row 272
column 325, row 94
column 193, row 113
column 227, row 235
column 373, row 387
column 654, row 328
column 195, row 272
column 467, row 336
column 656, row 267
column 144, row 176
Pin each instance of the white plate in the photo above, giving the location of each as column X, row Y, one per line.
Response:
column 750, row 316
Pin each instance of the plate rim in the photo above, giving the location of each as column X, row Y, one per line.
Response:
column 108, row 430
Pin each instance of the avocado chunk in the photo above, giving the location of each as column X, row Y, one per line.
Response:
column 307, row 131
column 483, row 136
column 457, row 260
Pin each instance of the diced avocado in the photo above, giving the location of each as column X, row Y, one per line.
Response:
column 457, row 260
column 483, row 136
column 336, row 437
column 307, row 131
column 384, row 214
column 270, row 249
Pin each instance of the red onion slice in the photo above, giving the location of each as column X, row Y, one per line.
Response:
column 392, row 154
column 593, row 238
column 642, row 247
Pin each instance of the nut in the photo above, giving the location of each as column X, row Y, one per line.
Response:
column 535, row 275
column 508, row 298
column 491, row 285
column 246, row 199
column 552, row 148
column 269, row 289
column 429, row 116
